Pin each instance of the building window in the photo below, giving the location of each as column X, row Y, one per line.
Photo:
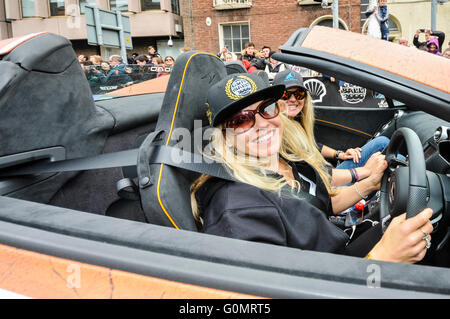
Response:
column 150, row 5
column 235, row 36
column 28, row 9
column 119, row 5
column 57, row 8
column 175, row 7
column 83, row 4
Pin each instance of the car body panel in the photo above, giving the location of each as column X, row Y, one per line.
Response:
column 208, row 261
column 157, row 85
column 384, row 55
column 38, row 275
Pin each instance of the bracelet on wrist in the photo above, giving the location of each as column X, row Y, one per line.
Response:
column 354, row 178
column 337, row 153
column 358, row 192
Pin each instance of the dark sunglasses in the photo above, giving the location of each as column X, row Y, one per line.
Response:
column 299, row 94
column 245, row 120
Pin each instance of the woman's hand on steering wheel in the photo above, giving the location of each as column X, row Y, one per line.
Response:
column 404, row 240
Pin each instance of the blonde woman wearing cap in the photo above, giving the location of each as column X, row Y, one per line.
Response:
column 356, row 163
column 267, row 202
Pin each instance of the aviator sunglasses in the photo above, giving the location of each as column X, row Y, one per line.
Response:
column 245, row 120
column 299, row 94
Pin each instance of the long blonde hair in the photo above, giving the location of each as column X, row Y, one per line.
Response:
column 295, row 146
column 307, row 119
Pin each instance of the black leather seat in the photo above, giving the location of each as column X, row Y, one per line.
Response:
column 164, row 189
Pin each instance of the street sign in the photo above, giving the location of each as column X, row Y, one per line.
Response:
column 108, row 28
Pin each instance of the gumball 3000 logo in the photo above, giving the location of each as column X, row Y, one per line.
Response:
column 352, row 94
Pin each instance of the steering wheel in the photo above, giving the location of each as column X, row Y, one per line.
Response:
column 404, row 188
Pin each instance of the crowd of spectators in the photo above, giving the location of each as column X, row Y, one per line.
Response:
column 258, row 60
column 116, row 73
column 141, row 67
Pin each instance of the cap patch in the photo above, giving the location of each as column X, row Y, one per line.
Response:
column 237, row 88
column 290, row 77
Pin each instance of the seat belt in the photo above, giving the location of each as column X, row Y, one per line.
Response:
column 158, row 154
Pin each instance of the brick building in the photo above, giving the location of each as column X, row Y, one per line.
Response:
column 212, row 24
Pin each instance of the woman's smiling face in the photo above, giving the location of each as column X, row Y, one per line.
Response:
column 262, row 140
column 293, row 105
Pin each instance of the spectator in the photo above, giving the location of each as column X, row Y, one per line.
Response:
column 143, row 71
column 247, row 64
column 373, row 24
column 222, row 53
column 169, row 62
column 141, row 60
column 105, row 67
column 433, row 46
column 118, row 72
column 152, row 52
column 93, row 74
column 428, row 35
column 264, row 53
column 96, row 59
column 261, row 62
column 230, row 56
column 132, row 59
column 157, row 62
column 82, row 58
column 160, row 66
column 249, row 51
column 383, row 18
column 446, row 53
column 403, row 41
column 274, row 66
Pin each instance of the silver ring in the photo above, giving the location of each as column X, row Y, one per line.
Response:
column 427, row 239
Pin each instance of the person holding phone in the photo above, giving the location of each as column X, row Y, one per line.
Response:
column 428, row 36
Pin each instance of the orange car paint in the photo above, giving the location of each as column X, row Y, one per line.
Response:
column 43, row 276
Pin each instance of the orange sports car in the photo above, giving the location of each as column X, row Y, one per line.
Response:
column 93, row 205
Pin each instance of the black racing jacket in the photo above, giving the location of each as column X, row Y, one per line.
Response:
column 242, row 211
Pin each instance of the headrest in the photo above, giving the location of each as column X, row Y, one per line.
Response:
column 166, row 198
column 45, row 99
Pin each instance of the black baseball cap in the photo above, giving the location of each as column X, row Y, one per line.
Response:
column 289, row 78
column 237, row 91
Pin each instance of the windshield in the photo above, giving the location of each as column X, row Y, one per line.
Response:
column 110, row 81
